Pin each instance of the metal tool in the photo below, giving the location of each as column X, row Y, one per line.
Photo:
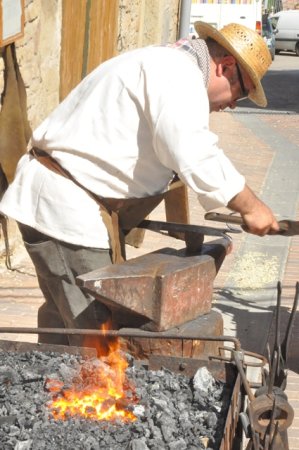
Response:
column 193, row 235
column 269, row 413
column 278, row 359
column 287, row 227
column 155, row 225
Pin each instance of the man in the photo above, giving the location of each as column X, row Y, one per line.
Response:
column 123, row 133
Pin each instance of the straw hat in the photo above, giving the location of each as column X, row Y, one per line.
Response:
column 249, row 49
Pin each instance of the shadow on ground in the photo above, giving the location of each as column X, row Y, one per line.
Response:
column 246, row 314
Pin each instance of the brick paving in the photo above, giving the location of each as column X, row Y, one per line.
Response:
column 20, row 296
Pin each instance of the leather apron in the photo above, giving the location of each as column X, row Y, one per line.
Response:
column 119, row 215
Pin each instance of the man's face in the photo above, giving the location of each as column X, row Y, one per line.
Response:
column 228, row 84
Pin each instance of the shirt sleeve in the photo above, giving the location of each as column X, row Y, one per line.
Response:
column 184, row 142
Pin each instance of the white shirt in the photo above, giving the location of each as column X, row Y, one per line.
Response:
column 122, row 132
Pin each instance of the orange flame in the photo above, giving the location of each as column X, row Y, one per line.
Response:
column 100, row 394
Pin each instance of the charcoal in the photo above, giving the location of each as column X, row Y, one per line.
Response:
column 137, row 444
column 203, row 381
column 53, row 383
column 157, row 433
column 29, row 376
column 180, row 444
column 8, row 375
column 160, row 403
column 167, row 433
column 211, row 420
column 155, row 444
column 196, row 447
column 181, row 406
column 171, row 412
column 138, row 410
column 91, row 443
column 67, row 373
column 8, row 420
column 23, row 445
column 184, row 420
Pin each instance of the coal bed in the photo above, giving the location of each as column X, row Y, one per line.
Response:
column 165, row 410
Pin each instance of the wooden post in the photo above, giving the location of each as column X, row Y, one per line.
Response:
column 72, row 44
column 102, row 32
column 177, row 207
column 89, row 37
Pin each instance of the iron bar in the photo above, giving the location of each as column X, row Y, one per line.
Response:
column 128, row 332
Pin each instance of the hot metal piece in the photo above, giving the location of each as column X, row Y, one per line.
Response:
column 124, row 332
column 156, row 225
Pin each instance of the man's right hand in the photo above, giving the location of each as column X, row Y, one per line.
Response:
column 257, row 216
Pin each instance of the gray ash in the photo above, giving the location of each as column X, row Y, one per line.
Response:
column 173, row 411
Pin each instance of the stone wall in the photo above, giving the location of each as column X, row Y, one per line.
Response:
column 38, row 54
column 290, row 4
column 146, row 22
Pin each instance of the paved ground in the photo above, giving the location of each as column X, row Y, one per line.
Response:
column 265, row 147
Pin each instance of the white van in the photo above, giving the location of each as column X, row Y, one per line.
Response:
column 219, row 13
column 286, row 26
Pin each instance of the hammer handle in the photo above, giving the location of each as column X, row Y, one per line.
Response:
column 226, row 218
column 287, row 227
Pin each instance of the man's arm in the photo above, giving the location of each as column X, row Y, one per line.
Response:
column 257, row 216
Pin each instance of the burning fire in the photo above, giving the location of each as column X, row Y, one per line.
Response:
column 99, row 391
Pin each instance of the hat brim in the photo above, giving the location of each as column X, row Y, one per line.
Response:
column 205, row 30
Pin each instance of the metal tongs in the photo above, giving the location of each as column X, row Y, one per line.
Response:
column 269, row 413
column 278, row 359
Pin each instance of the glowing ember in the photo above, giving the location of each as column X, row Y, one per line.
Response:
column 99, row 391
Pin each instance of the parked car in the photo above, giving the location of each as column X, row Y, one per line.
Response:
column 268, row 34
column 286, row 26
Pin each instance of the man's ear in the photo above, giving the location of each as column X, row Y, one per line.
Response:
column 226, row 63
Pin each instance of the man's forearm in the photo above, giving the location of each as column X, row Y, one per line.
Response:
column 244, row 202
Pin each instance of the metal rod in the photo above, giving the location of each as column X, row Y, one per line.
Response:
column 263, row 359
column 245, row 382
column 129, row 332
column 184, row 22
column 156, row 225
column 286, row 341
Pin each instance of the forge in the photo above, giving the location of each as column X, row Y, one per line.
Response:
column 165, row 403
column 162, row 303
